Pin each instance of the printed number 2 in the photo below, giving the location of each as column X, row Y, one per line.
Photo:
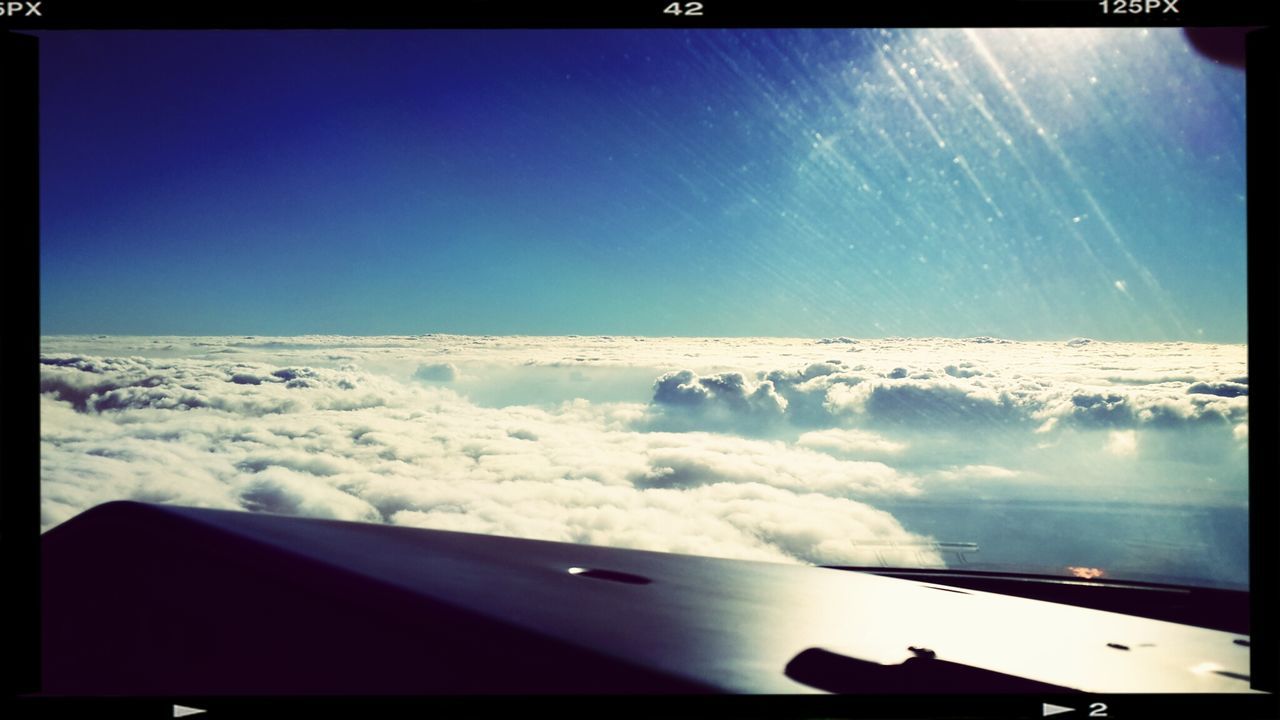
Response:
column 1098, row 710
column 690, row 8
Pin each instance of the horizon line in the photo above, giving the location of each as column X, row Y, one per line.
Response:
column 835, row 339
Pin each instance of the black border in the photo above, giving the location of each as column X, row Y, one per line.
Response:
column 20, row 470
column 1263, row 221
column 19, row 224
column 938, row 707
column 278, row 14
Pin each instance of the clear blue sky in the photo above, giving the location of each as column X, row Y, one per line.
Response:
column 641, row 182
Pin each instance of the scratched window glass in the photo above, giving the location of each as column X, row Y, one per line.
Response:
column 909, row 298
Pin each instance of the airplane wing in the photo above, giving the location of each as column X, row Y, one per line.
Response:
column 146, row 599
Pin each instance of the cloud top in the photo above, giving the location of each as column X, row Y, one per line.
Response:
column 757, row 448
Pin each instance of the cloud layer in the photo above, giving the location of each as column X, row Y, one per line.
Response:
column 753, row 448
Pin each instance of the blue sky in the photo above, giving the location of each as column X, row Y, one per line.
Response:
column 1024, row 184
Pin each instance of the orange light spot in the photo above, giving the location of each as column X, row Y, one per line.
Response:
column 1085, row 572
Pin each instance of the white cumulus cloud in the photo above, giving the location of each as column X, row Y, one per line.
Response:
column 766, row 448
